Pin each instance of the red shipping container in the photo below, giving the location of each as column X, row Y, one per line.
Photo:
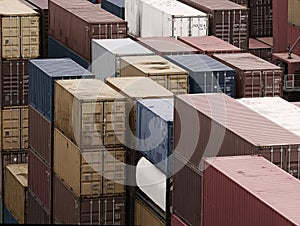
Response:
column 280, row 21
column 176, row 221
column 260, row 49
column 248, row 190
column 293, row 32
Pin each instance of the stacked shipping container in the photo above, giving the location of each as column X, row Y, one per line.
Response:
column 260, row 49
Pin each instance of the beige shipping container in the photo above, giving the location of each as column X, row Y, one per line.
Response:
column 165, row 73
column 19, row 30
column 15, row 187
column 14, row 128
column 89, row 113
column 89, row 172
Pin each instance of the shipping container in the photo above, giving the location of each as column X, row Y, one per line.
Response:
column 14, row 128
column 39, row 179
column 166, row 46
column 8, row 217
column 1, row 209
column 71, row 209
column 296, row 103
column 116, row 7
column 14, row 82
column 270, row 195
column 160, row 70
column 41, row 81
column 37, row 214
column 260, row 49
column 210, row 45
column 76, row 23
column 206, row 75
column 293, row 33
column 280, row 21
column 164, row 18
column 227, row 20
column 15, row 186
column 20, row 30
column 266, row 40
column 293, row 12
column 89, row 172
column 154, row 131
column 241, row 2
column 106, row 55
column 90, row 113
column 176, row 221
column 255, row 77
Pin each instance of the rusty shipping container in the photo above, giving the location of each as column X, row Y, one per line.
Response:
column 76, row 23
column 40, row 135
column 90, row 113
column 14, row 82
column 280, row 21
column 228, row 20
column 166, row 46
column 71, row 209
column 210, row 45
column 89, row 172
column 270, row 195
column 39, row 179
column 230, row 129
column 15, row 186
column 160, row 70
column 255, row 77
column 36, row 214
column 260, row 49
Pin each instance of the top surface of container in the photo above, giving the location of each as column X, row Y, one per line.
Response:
column 296, row 103
column 20, row 172
column 120, row 3
column 256, row 44
column 60, row 67
column 246, row 61
column 167, row 44
column 269, row 183
column 199, row 63
column 43, row 4
column 154, row 64
column 209, row 44
column 139, row 87
column 218, row 4
column 163, row 108
column 241, row 120
column 15, row 7
column 267, row 40
column 122, row 46
column 89, row 89
column 284, row 56
column 31, row 6
column 277, row 110
column 174, row 7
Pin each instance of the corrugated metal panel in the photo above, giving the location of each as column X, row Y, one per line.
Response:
column 260, row 49
column 41, row 81
column 176, row 221
column 166, row 46
column 241, row 2
column 293, row 32
column 270, row 195
column 154, row 131
column 266, row 40
column 206, row 75
column 280, row 21
column 116, row 7
column 106, row 53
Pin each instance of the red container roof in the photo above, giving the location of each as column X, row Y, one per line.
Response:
column 256, row 44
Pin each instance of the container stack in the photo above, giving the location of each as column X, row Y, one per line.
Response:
column 89, row 153
column 260, row 49
column 116, row 7
column 19, row 42
column 41, row 123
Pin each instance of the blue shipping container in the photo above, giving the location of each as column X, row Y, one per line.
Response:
column 154, row 131
column 116, row 7
column 206, row 75
column 58, row 50
column 42, row 75
column 8, row 217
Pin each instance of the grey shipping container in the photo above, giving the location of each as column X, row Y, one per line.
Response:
column 58, row 50
column 154, row 131
column 228, row 20
column 206, row 75
column 8, row 217
column 70, row 209
column 116, row 7
column 41, row 82
column 106, row 54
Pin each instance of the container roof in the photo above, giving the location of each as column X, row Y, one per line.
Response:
column 296, row 103
column 120, row 3
column 15, row 8
column 20, row 172
column 269, row 183
column 256, row 44
column 241, row 120
column 267, row 40
column 217, row 4
column 43, row 4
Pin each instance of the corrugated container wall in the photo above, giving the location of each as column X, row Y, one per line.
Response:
column 176, row 221
column 206, row 75
column 76, row 23
column 228, row 21
column 41, row 81
column 255, row 77
column 166, row 46
column 280, row 21
column 210, row 45
column 293, row 33
column 15, row 197
column 106, row 55
column 116, row 7
column 270, row 195
column 160, row 70
column 241, row 2
column 260, row 49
